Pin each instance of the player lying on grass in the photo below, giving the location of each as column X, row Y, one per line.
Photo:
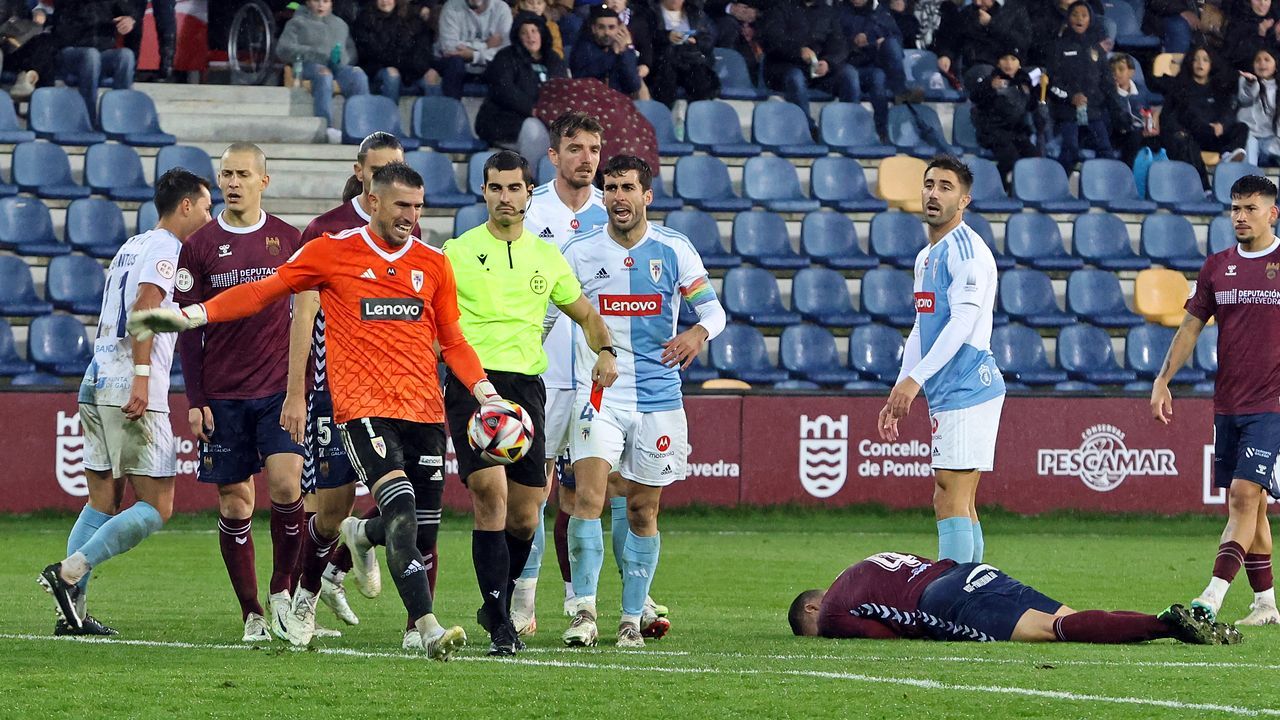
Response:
column 899, row 595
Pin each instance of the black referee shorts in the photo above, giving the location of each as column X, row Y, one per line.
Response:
column 525, row 390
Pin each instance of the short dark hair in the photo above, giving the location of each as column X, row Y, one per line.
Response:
column 397, row 173
column 619, row 164
column 508, row 160
column 1122, row 59
column 1253, row 185
column 377, row 141
column 795, row 615
column 176, row 185
column 572, row 123
column 955, row 165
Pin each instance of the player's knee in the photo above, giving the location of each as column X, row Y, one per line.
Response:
column 1243, row 498
column 642, row 513
column 328, row 519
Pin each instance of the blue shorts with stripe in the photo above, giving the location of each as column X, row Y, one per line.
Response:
column 1245, row 447
column 978, row 597
column 245, row 433
column 326, row 464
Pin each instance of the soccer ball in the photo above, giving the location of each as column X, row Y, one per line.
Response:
column 501, row 431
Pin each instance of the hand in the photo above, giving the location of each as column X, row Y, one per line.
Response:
column 1249, row 77
column 807, row 55
column 605, row 371
column 201, row 420
column 900, row 397
column 887, row 424
column 984, row 17
column 424, row 13
column 495, row 40
column 642, row 71
column 124, row 24
column 622, row 38
column 743, row 13
column 38, row 16
column 136, row 407
column 944, row 64
column 485, row 392
column 822, row 69
column 1265, row 26
column 675, row 37
column 143, row 324
column 1217, row 129
column 860, row 40
column 1079, row 100
column 683, row 348
column 465, row 52
column 1161, row 402
column 999, row 83
column 293, row 417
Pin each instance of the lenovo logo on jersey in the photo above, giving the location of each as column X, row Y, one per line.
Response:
column 631, row 305
column 391, row 309
column 924, row 302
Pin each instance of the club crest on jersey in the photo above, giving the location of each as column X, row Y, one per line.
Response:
column 1272, row 269
column 655, row 269
column 224, row 250
column 417, row 277
column 273, row 245
column 379, row 446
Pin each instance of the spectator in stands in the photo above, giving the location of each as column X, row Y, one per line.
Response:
column 26, row 49
column 393, row 42
column 471, row 34
column 539, row 8
column 738, row 28
column 561, row 12
column 514, row 76
column 875, row 52
column 164, row 13
column 1257, row 99
column 805, row 48
column 1175, row 21
column 684, row 54
column 1133, row 124
column 605, row 52
column 1048, row 21
column 1252, row 26
column 639, row 21
column 1002, row 105
column 982, row 31
column 1199, row 113
column 85, row 32
column 903, row 13
column 1081, row 89
column 321, row 42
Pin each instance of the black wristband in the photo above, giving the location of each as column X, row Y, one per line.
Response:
column 609, row 349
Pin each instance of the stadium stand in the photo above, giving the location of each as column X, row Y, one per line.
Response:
column 783, row 129
column 1102, row 240
column 760, row 238
column 1170, row 240
column 58, row 345
column 1027, row 296
column 1109, row 184
column 1095, row 296
column 365, row 114
column 773, row 183
column 839, row 183
column 701, row 230
column 1020, row 354
column 751, row 295
column 739, row 353
column 95, row 226
column 821, row 296
column 712, row 126
column 75, row 283
column 116, row 171
column 59, row 114
column 1033, row 239
column 1041, row 183
column 809, row 352
column 42, row 168
column 849, row 129
column 875, row 351
column 830, row 239
column 129, row 116
column 27, row 228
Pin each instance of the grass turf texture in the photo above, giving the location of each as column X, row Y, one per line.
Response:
column 727, row 577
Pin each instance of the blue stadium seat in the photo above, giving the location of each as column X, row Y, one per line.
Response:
column 442, row 123
column 1020, row 355
column 751, row 294
column 438, row 180
column 1042, row 184
column 74, row 283
column 18, row 290
column 1027, row 296
column 713, row 127
column 697, row 372
column 838, row 182
column 888, row 296
column 988, row 191
column 783, row 129
column 475, row 172
column 963, row 133
column 659, row 116
column 1085, row 352
column 57, row 344
column 1169, row 240
column 735, row 78
column 897, row 237
column 662, row 202
column 1033, row 239
column 773, row 183
column 829, row 238
column 821, row 296
column 865, row 386
column 1109, row 184
column 906, row 133
column 1129, row 35
column 95, row 226
column 366, row 114
column 10, row 362
column 921, row 67
column 129, row 116
column 809, row 352
column 1222, row 235
column 875, row 351
column 849, row 129
column 545, row 171
column 702, row 231
column 148, row 217
column 27, row 229
column 59, row 114
column 1102, row 240
column 739, row 352
column 1145, row 348
column 1095, row 296
column 1075, row 386
column 982, row 226
column 11, row 132
column 1206, row 353
column 703, row 181
column 1176, row 186
column 1224, row 176
column 37, row 380
column 469, row 217
column 189, row 158
column 116, row 171
column 797, row 385
column 43, row 169
column 760, row 237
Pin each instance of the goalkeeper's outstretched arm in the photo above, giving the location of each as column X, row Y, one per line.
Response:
column 238, row 302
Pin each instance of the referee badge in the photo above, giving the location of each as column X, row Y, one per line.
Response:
column 538, row 284
column 416, row 277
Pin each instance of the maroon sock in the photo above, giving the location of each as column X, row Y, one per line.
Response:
column 1100, row 626
column 431, row 558
column 1258, row 568
column 316, row 550
column 341, row 557
column 1230, row 558
column 235, row 537
column 287, row 532
column 562, row 544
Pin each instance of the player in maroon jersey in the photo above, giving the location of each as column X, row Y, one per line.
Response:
column 899, row 595
column 236, row 377
column 1240, row 288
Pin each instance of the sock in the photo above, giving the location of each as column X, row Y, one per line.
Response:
column 235, row 537
column 492, row 559
column 640, row 556
column 85, row 526
column 518, row 552
column 561, row 537
column 586, row 555
column 618, row 530
column 341, row 559
column 287, row 531
column 534, row 564
column 1100, row 626
column 978, row 545
column 120, row 534
column 1258, row 568
column 1227, row 564
column 404, row 562
column 427, row 504
column 315, row 556
column 955, row 539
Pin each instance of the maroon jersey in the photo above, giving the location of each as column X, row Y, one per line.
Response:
column 887, row 587
column 244, row 359
column 1242, row 290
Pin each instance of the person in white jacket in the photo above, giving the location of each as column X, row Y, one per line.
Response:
column 1257, row 99
column 471, row 33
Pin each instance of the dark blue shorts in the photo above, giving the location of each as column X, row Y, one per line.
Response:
column 977, row 597
column 564, row 472
column 245, row 432
column 1245, row 447
column 326, row 464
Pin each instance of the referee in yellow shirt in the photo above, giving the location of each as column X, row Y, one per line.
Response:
column 507, row 278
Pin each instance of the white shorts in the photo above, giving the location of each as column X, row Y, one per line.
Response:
column 650, row 448
column 965, row 439
column 114, row 443
column 560, row 409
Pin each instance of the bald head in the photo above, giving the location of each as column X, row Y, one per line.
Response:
column 242, row 178
column 249, row 150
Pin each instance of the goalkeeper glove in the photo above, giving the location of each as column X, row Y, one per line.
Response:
column 143, row 324
column 485, row 392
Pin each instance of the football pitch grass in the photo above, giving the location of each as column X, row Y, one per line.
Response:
column 727, row 577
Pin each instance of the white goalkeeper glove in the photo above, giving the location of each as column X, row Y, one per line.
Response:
column 485, row 392
column 143, row 324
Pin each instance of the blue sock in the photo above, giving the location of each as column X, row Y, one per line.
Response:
column 618, row 529
column 86, row 525
column 586, row 555
column 955, row 539
column 121, row 533
column 534, row 563
column 978, row 544
column 641, row 558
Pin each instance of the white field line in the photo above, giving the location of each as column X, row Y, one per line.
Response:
column 923, row 684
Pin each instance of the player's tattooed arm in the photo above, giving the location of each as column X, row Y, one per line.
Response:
column 1184, row 343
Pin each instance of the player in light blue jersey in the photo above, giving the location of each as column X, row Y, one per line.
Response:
column 636, row 273
column 949, row 354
